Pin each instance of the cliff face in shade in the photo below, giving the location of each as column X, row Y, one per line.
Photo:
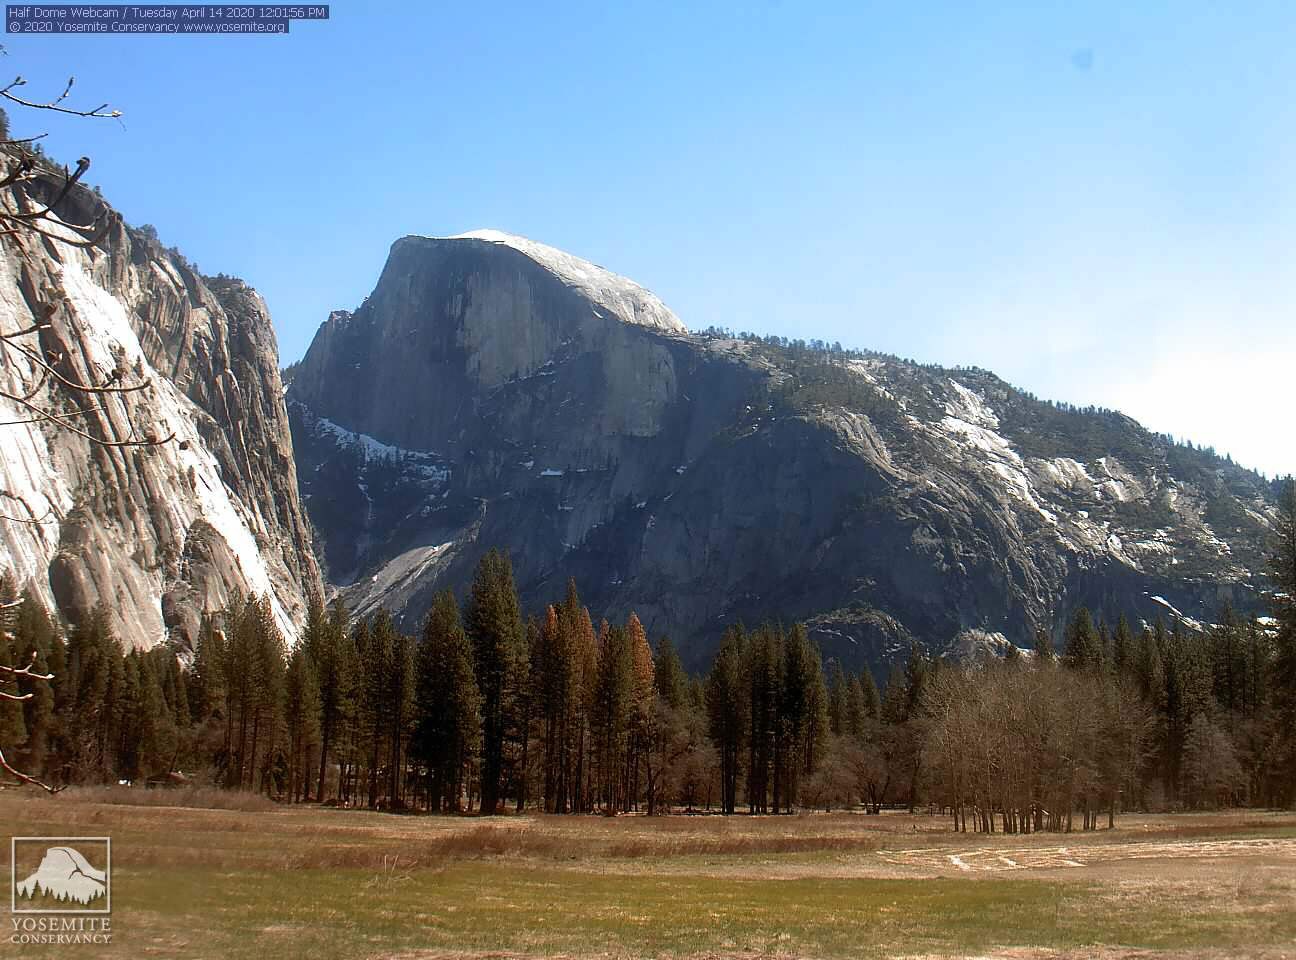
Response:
column 492, row 393
column 159, row 534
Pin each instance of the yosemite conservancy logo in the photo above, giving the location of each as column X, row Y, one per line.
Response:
column 60, row 889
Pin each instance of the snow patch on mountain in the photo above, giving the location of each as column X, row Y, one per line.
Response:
column 623, row 297
column 423, row 463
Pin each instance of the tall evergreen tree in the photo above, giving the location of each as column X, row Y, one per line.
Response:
column 838, row 693
column 494, row 622
column 1084, row 646
column 94, row 659
column 671, row 680
column 401, row 679
column 13, row 729
column 855, row 711
column 302, row 715
column 872, row 699
column 35, row 642
column 559, row 696
column 575, row 791
column 448, row 726
column 376, row 649
column 725, row 702
column 643, row 698
column 333, row 656
column 763, row 672
column 1123, row 648
column 613, row 713
column 1282, row 571
column 268, row 667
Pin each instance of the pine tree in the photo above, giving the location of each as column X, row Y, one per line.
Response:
column 333, row 656
column 1282, row 571
column 238, row 654
column 13, row 729
column 94, row 657
column 1228, row 661
column 725, row 701
column 872, row 699
column 1149, row 668
column 356, row 733
column 268, row 666
column 612, row 713
column 556, row 692
column 115, row 711
column 447, row 727
column 1123, row 648
column 376, row 648
column 302, row 715
column 838, row 693
column 158, row 734
column 36, row 642
column 130, row 731
column 494, row 622
column 855, row 712
column 1084, row 646
column 175, row 692
column 671, row 680
column 817, row 731
column 763, row 673
column 205, row 680
column 525, row 702
column 576, row 620
column 895, row 699
column 796, row 701
column 643, row 696
column 400, row 714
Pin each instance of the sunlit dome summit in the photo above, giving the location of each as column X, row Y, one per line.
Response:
column 622, row 297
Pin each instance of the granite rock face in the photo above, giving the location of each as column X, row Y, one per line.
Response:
column 494, row 392
column 159, row 534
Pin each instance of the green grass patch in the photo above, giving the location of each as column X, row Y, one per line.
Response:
column 492, row 907
column 337, row 884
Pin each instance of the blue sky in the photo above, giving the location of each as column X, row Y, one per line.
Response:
column 1099, row 204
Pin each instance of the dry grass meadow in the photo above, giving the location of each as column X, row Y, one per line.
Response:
column 254, row 880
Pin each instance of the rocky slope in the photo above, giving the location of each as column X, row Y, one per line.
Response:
column 159, row 533
column 493, row 391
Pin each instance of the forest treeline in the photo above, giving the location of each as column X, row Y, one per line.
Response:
column 486, row 710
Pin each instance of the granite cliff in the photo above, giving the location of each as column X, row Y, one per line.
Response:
column 495, row 391
column 160, row 533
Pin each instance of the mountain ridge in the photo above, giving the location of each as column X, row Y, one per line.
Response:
column 700, row 478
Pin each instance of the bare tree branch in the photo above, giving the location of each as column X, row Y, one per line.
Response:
column 49, row 513
column 46, row 414
column 24, row 778
column 27, row 671
column 116, row 375
column 55, row 104
column 149, row 439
